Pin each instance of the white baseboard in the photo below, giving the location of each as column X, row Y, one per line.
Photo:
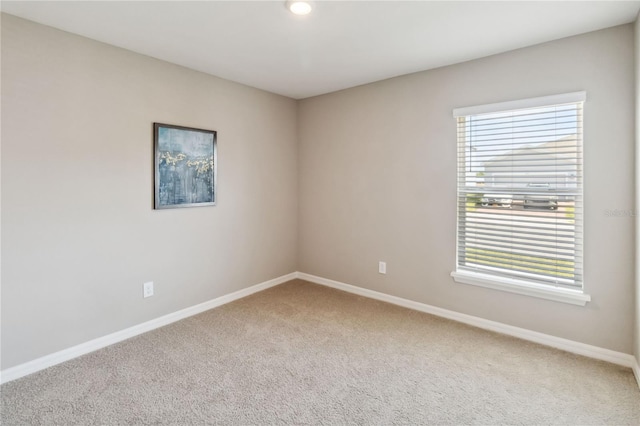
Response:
column 84, row 348
column 533, row 336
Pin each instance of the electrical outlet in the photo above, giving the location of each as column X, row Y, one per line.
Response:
column 147, row 289
column 382, row 267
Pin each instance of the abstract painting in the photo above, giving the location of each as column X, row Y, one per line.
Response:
column 185, row 166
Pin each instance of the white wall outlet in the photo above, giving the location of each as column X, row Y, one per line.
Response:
column 382, row 267
column 147, row 289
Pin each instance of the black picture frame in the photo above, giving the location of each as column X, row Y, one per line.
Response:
column 185, row 163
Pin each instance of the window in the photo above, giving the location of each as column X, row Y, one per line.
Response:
column 520, row 197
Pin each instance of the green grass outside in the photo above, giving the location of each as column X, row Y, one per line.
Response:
column 519, row 262
column 570, row 212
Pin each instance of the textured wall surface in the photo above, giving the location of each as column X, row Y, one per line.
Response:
column 637, row 91
column 328, row 186
column 378, row 182
column 79, row 233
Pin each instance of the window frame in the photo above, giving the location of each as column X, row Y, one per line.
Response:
column 575, row 296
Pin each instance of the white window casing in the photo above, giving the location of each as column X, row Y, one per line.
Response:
column 520, row 197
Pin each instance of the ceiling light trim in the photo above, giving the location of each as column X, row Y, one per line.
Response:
column 299, row 7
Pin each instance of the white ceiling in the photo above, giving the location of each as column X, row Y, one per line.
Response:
column 340, row 44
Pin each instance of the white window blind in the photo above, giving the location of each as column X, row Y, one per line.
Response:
column 520, row 190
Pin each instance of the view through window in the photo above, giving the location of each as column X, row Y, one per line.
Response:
column 520, row 192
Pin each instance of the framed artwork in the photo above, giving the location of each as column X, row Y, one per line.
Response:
column 185, row 166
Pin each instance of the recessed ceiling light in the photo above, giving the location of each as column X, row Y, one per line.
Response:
column 299, row 7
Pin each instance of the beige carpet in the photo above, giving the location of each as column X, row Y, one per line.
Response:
column 301, row 353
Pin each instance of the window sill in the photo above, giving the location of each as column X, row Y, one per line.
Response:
column 574, row 297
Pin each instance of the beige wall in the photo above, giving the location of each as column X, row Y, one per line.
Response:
column 79, row 234
column 376, row 172
column 378, row 182
column 637, row 93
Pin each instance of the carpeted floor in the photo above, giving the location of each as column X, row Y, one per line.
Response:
column 300, row 353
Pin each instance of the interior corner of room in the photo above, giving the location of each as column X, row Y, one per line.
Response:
column 353, row 189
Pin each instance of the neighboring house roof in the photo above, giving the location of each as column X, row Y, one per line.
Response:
column 561, row 150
